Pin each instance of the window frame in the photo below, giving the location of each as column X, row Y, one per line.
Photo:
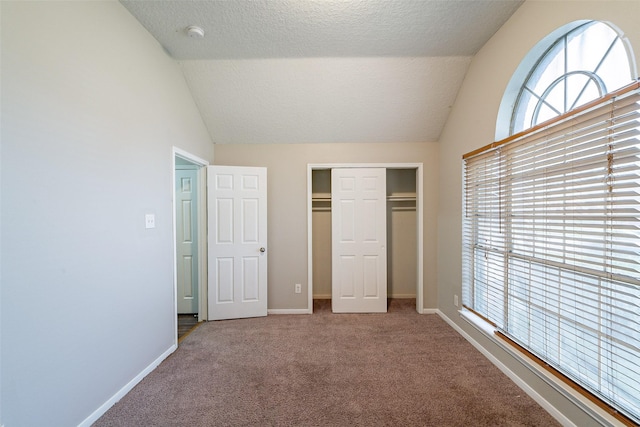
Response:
column 532, row 60
column 469, row 297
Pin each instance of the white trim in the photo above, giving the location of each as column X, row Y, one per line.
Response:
column 288, row 311
column 420, row 236
column 530, row 61
column 309, row 238
column 188, row 156
column 126, row 389
column 203, row 247
column 519, row 76
column 188, row 167
column 419, row 222
column 430, row 311
column 364, row 165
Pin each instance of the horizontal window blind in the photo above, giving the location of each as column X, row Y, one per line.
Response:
column 551, row 244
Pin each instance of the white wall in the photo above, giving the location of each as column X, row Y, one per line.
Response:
column 471, row 125
column 91, row 107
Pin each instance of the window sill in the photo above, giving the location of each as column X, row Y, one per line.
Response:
column 489, row 331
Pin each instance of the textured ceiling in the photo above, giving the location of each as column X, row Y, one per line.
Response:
column 322, row 28
column 326, row 99
column 287, row 71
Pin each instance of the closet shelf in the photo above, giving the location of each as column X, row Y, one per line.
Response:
column 402, row 198
column 391, row 198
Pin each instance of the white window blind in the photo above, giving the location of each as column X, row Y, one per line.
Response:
column 551, row 244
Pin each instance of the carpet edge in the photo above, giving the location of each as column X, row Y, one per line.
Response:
column 544, row 403
column 127, row 388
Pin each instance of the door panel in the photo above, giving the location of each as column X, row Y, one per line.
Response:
column 250, row 278
column 224, row 279
column 186, row 238
column 237, row 200
column 370, row 269
column 250, row 224
column 359, row 233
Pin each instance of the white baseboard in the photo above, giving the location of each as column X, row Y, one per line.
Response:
column 307, row 311
column 555, row 413
column 288, row 311
column 126, row 389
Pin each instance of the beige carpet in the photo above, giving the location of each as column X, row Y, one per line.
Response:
column 393, row 369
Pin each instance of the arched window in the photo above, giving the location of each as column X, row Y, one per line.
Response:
column 583, row 64
column 551, row 243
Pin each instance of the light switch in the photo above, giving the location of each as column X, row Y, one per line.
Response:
column 149, row 221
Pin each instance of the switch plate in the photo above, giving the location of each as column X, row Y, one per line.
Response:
column 149, row 221
column 298, row 288
column 455, row 300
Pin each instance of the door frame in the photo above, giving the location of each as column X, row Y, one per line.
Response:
column 202, row 227
column 418, row 167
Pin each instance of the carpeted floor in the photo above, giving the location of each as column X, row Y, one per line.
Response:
column 393, row 369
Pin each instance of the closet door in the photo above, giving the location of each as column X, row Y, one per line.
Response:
column 359, row 234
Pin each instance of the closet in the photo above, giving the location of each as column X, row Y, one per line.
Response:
column 401, row 232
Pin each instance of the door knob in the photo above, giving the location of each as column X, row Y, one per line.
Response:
column 262, row 249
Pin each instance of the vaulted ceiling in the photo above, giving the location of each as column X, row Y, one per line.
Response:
column 314, row 71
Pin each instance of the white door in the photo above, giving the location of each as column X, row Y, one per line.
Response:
column 186, row 240
column 237, row 210
column 359, row 235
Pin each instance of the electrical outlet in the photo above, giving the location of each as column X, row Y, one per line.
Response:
column 298, row 288
column 150, row 221
column 455, row 300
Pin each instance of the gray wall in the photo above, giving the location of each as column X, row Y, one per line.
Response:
column 287, row 204
column 91, row 107
column 472, row 124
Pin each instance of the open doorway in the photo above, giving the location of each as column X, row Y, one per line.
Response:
column 189, row 216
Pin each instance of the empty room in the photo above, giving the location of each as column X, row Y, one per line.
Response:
column 383, row 212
